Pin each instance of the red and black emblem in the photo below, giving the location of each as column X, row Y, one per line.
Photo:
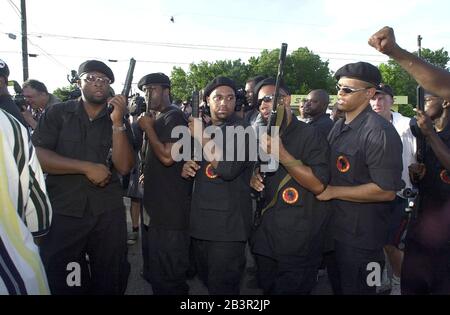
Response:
column 342, row 164
column 209, row 171
column 290, row 195
column 444, row 176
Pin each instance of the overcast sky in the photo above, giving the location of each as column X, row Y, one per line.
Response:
column 206, row 30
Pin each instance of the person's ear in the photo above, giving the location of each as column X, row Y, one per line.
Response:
column 446, row 104
column 370, row 92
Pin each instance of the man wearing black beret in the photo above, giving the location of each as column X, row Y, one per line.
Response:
column 220, row 219
column 366, row 159
column 84, row 148
column 288, row 242
column 166, row 193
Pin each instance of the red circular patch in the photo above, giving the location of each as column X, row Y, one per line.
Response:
column 444, row 176
column 342, row 164
column 290, row 195
column 209, row 171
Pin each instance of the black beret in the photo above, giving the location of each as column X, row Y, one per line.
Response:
column 385, row 89
column 218, row 81
column 158, row 78
column 4, row 70
column 361, row 71
column 95, row 65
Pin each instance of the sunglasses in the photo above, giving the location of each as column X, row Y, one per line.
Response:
column 348, row 90
column 269, row 98
column 93, row 78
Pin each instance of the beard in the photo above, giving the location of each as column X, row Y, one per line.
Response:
column 96, row 100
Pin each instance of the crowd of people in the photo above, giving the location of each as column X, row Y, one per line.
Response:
column 338, row 198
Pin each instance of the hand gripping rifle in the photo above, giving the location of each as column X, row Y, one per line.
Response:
column 125, row 92
column 260, row 201
column 127, row 84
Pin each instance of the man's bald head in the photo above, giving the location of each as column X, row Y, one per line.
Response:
column 316, row 104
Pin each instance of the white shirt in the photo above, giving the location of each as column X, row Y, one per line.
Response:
column 401, row 124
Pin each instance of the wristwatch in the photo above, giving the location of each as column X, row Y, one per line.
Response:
column 121, row 128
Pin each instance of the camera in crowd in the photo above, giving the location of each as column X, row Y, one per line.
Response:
column 137, row 105
column 241, row 100
column 18, row 97
column 73, row 79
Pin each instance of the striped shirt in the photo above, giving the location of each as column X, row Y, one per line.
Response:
column 24, row 208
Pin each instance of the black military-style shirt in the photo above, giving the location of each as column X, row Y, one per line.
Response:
column 435, row 186
column 323, row 123
column 66, row 129
column 166, row 193
column 297, row 217
column 368, row 150
column 221, row 203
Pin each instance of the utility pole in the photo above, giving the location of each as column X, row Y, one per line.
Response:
column 23, row 11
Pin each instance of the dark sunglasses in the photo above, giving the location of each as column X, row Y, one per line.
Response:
column 269, row 98
column 348, row 90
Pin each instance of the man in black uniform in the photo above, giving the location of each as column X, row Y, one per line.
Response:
column 314, row 111
column 83, row 148
column 288, row 242
column 6, row 102
column 221, row 206
column 366, row 167
column 427, row 253
column 166, row 194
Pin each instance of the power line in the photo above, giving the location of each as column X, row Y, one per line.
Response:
column 49, row 56
column 103, row 58
column 158, row 61
column 15, row 8
column 249, row 50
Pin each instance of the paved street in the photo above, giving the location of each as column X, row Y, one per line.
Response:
column 138, row 286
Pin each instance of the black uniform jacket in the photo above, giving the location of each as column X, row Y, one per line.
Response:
column 368, row 150
column 66, row 129
column 296, row 222
column 221, row 202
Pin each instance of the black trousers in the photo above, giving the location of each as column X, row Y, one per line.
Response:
column 103, row 238
column 144, row 248
column 355, row 270
column 220, row 265
column 168, row 258
column 295, row 275
column 425, row 270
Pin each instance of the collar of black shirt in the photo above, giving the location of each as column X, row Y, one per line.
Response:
column 81, row 111
column 355, row 123
column 231, row 120
column 320, row 118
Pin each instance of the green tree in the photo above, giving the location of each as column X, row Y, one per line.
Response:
column 179, row 84
column 303, row 72
column 63, row 93
column 200, row 74
column 402, row 82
